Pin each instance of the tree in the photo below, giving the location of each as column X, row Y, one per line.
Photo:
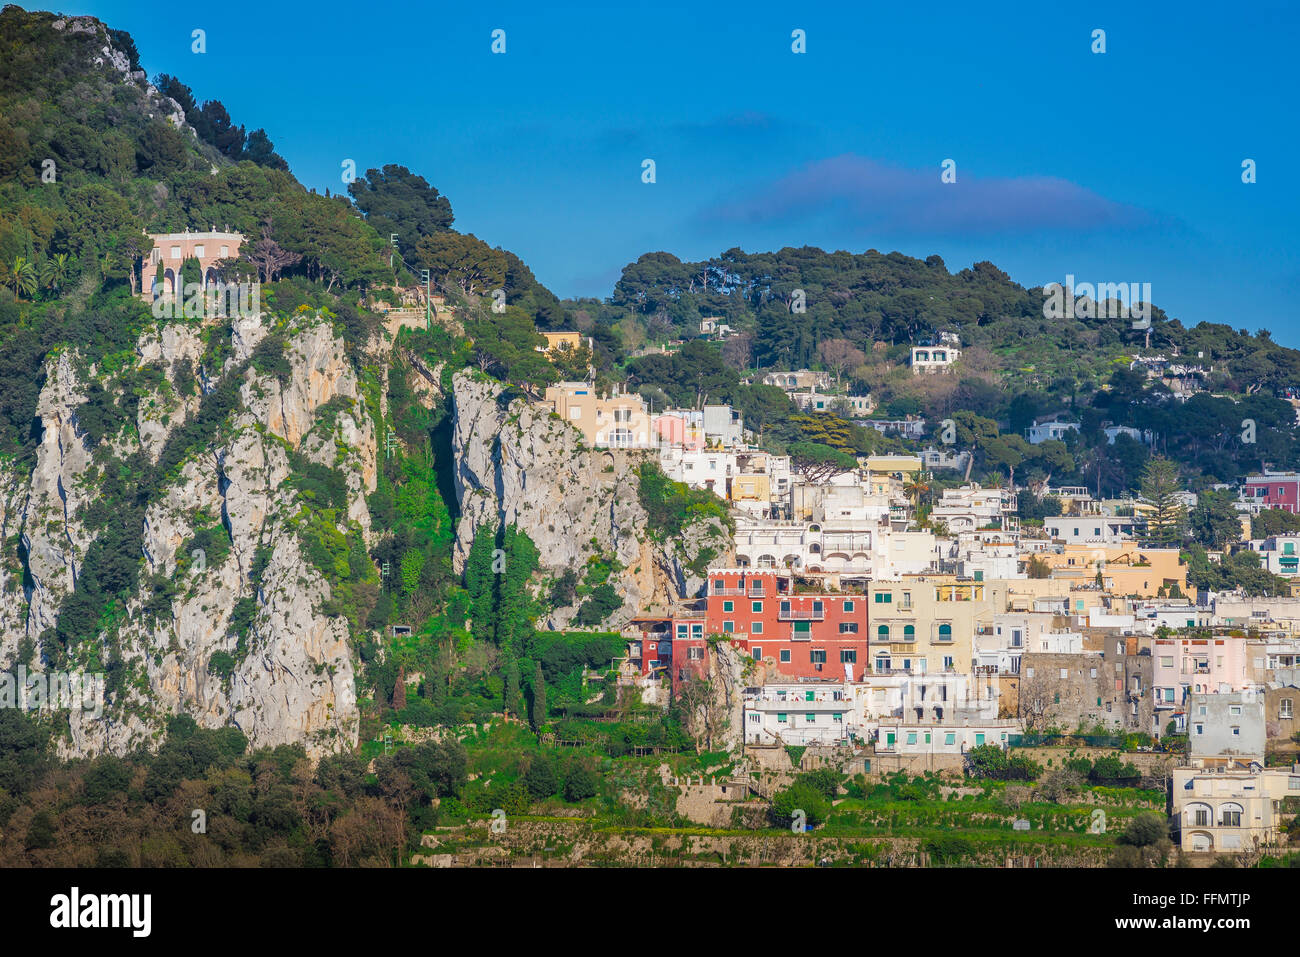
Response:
column 800, row 796
column 1160, row 486
column 840, row 354
column 580, row 783
column 269, row 256
column 399, row 690
column 54, row 272
column 395, row 200
column 539, row 698
column 21, row 277
column 540, row 779
column 819, row 462
column 512, row 698
column 1037, row 567
column 1215, row 521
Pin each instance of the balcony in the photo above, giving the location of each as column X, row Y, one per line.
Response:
column 719, row 590
column 791, row 614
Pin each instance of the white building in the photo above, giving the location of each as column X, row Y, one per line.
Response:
column 1054, row 429
column 801, row 712
column 933, row 358
column 1090, row 529
column 1279, row 554
column 970, row 508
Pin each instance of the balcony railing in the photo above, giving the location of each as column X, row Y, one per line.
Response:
column 728, row 591
column 790, row 614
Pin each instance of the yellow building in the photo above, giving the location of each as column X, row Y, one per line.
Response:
column 616, row 421
column 888, row 474
column 925, row 623
column 568, row 340
column 751, row 487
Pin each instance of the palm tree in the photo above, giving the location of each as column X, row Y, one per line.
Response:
column 916, row 489
column 54, row 272
column 21, row 277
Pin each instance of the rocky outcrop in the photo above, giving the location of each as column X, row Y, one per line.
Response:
column 286, row 671
column 518, row 463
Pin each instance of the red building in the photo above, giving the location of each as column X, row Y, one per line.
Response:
column 806, row 634
column 1275, row 490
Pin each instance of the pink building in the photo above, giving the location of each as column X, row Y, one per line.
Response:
column 172, row 249
column 1184, row 666
column 680, row 428
column 1274, row 490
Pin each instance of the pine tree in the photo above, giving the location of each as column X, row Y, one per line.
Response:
column 539, row 698
column 1167, row 523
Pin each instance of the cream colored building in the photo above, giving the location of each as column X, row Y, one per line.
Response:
column 925, row 623
column 1227, row 809
column 616, row 421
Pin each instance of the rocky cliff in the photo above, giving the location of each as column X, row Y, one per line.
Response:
column 284, row 668
column 519, row 463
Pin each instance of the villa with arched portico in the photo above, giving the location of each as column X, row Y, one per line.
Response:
column 170, row 250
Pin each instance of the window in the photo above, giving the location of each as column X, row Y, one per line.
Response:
column 1236, row 731
column 1094, row 672
column 1284, row 708
column 818, row 608
column 810, row 718
column 200, row 251
column 694, row 654
column 728, row 606
column 785, row 608
column 803, row 628
column 809, row 695
column 729, row 627
column 1235, row 710
column 911, row 737
column 176, row 252
column 1201, row 817
column 979, row 740
column 945, row 632
column 755, row 627
column 883, row 598
column 781, row 717
column 947, row 664
column 758, row 654
column 882, row 633
column 1200, row 729
column 817, row 656
column 1231, row 816
column 848, row 628
column 909, row 633
column 848, row 656
column 950, row 738
column 1166, row 661
column 1065, row 673
column 225, row 252
column 848, row 606
column 785, row 655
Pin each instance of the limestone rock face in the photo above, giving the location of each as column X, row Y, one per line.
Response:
column 287, row 672
column 518, row 463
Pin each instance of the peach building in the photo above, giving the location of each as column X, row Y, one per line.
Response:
column 172, row 249
column 611, row 421
column 1125, row 570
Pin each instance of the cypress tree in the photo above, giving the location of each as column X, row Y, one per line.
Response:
column 539, row 698
column 513, row 700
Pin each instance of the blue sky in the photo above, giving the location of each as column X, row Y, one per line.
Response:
column 1115, row 167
